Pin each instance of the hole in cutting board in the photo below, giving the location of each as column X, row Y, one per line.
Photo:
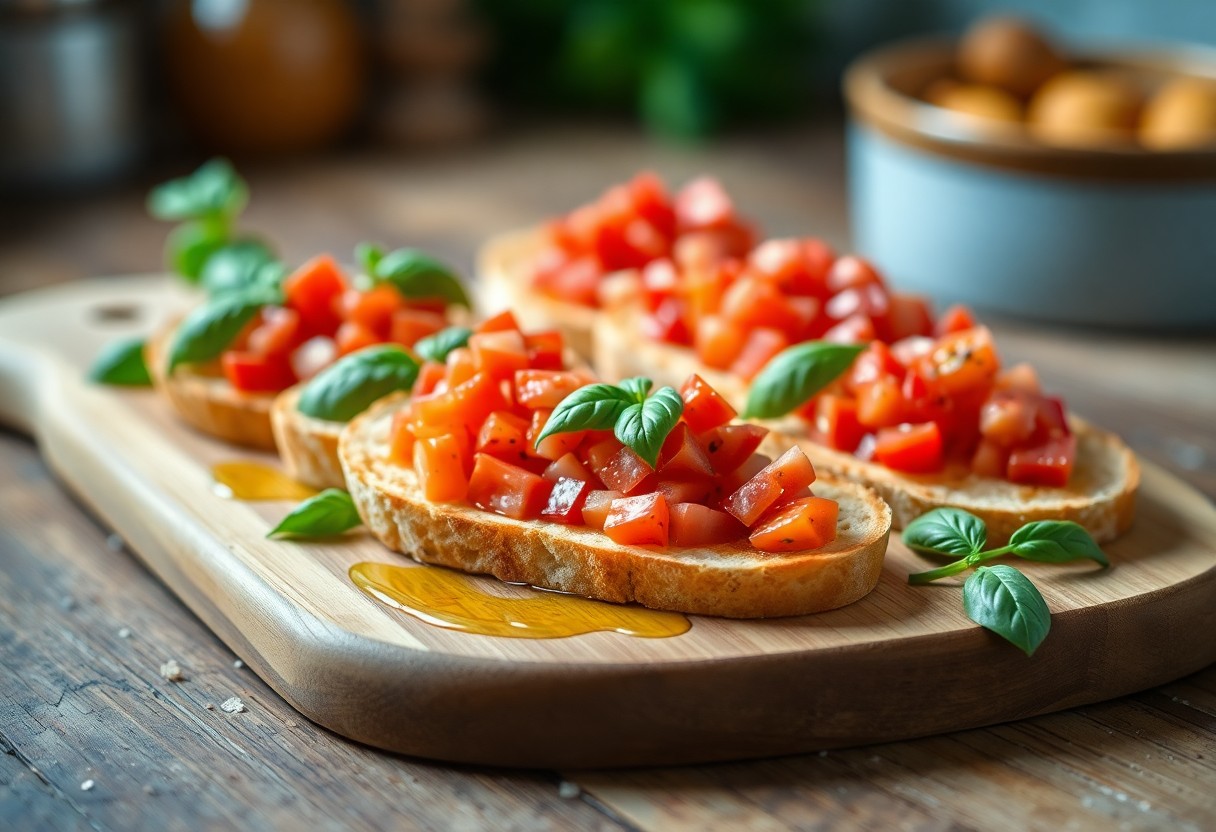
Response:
column 115, row 313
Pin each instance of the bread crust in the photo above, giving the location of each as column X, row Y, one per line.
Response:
column 729, row 581
column 209, row 403
column 1101, row 496
column 308, row 446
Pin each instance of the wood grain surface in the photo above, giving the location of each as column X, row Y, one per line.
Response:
column 1141, row 762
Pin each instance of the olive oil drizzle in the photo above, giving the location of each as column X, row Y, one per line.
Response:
column 245, row 480
column 449, row 599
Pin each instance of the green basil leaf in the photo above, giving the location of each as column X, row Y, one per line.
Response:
column 237, row 265
column 418, row 275
column 946, row 531
column 638, row 388
column 209, row 329
column 368, row 255
column 795, row 375
column 644, row 426
column 214, row 190
column 594, row 407
column 191, row 245
column 436, row 347
column 1056, row 541
column 1004, row 600
column 328, row 514
column 122, row 362
column 347, row 387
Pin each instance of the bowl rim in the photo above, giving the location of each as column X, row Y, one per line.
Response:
column 874, row 100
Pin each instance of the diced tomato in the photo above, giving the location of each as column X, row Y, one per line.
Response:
column 545, row 350
column 850, row 272
column 466, row 405
column 789, row 472
column 597, row 505
column 761, row 346
column 907, row 351
column 697, row 525
column 372, row 309
column 314, row 355
column 439, row 464
column 836, row 422
column 460, row 366
column 718, row 341
column 659, row 282
column 955, row 319
column 875, row 362
column 1020, row 377
column 599, row 453
column 551, row 447
column 869, row 299
column 504, row 435
column 703, row 203
column 752, row 302
column 535, row 389
column 732, row 482
column 401, row 439
column 880, row 403
column 500, row 354
column 695, row 490
column 410, row 325
column 624, row 471
column 651, row 201
column 704, row 407
column 639, row 521
column 313, row 290
column 501, row 322
column 962, row 361
column 667, row 323
column 1049, row 463
column 1050, row 421
column 1007, row 420
column 429, row 375
column 729, row 446
column 352, row 337
column 809, row 523
column 908, row 315
column 568, row 466
column 507, row 489
column 279, row 332
column 699, row 252
column 565, row 503
column 916, row 449
column 252, row 373
column 682, row 456
column 990, row 460
column 856, row 329
column 575, row 280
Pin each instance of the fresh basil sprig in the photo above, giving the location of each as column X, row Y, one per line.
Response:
column 214, row 191
column 190, row 245
column 999, row 597
column 795, row 375
column 210, row 328
column 415, row 274
column 347, row 387
column 240, row 264
column 122, row 362
column 367, row 255
column 637, row 419
column 327, row 514
column 436, row 347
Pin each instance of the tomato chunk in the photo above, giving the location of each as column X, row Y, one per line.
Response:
column 1050, row 463
column 789, row 472
column 565, row 504
column 409, row 326
column 551, row 447
column 683, row 456
column 313, row 291
column 439, row 464
column 504, row 435
column 913, row 448
column 278, row 332
column 499, row 354
column 729, row 446
column 372, row 309
column 507, row 489
column 569, row 467
column 252, row 373
column 639, row 521
column 352, row 337
column 535, row 389
column 597, row 505
column 504, row 320
column 704, row 407
column 836, row 422
column 624, row 471
column 809, row 523
column 697, row 525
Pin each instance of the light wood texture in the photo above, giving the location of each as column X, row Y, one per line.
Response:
column 742, row 688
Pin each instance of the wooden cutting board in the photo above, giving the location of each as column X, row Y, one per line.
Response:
column 903, row 662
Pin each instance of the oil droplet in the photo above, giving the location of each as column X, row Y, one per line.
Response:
column 256, row 481
column 451, row 600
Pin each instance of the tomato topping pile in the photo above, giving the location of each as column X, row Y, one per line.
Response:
column 470, row 436
column 323, row 317
column 632, row 225
column 926, row 391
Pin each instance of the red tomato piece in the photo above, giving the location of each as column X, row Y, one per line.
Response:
column 313, row 291
column 569, row 467
column 504, row 435
column 850, row 272
column 697, row 490
column 1050, row 421
column 507, row 489
column 501, row 322
column 597, row 505
column 1007, row 419
column 1021, row 377
column 729, row 446
column 651, row 202
column 667, row 323
column 466, row 405
column 599, row 453
column 659, row 282
column 459, row 366
column 789, row 472
column 880, row 403
column 761, row 346
column 279, row 332
column 682, row 456
column 499, row 354
column 809, row 523
column 869, row 299
column 624, row 471
column 704, row 407
column 875, row 362
column 551, row 447
column 576, row 280
column 639, row 521
column 429, row 376
column 409, row 325
column 352, row 337
column 908, row 315
column 963, row 361
column 252, row 373
column 697, row 525
column 990, row 460
column 916, row 449
column 545, row 350
column 856, row 329
column 1049, row 463
column 703, row 203
column 565, row 503
column 372, row 309
column 718, row 341
column 955, row 319
column 536, row 389
column 439, row 464
column 836, row 422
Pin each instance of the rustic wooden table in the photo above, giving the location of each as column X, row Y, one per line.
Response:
column 94, row 737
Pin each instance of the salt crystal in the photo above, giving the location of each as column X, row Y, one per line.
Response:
column 86, row 786
column 124, row 632
column 233, row 705
column 172, row 671
column 238, row 664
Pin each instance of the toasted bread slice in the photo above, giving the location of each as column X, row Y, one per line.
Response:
column 1101, row 495
column 733, row 581
column 208, row 402
column 308, row 446
column 504, row 271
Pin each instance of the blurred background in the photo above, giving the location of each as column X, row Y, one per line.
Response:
column 438, row 122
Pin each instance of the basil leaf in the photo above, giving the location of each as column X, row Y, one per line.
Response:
column 347, row 387
column 190, row 245
column 436, row 347
column 644, row 426
column 328, row 514
column 638, row 388
column 946, row 531
column 209, row 329
column 213, row 190
column 237, row 265
column 418, row 275
column 795, row 375
column 1004, row 600
column 122, row 362
column 594, row 407
column 1055, row 541
column 368, row 255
